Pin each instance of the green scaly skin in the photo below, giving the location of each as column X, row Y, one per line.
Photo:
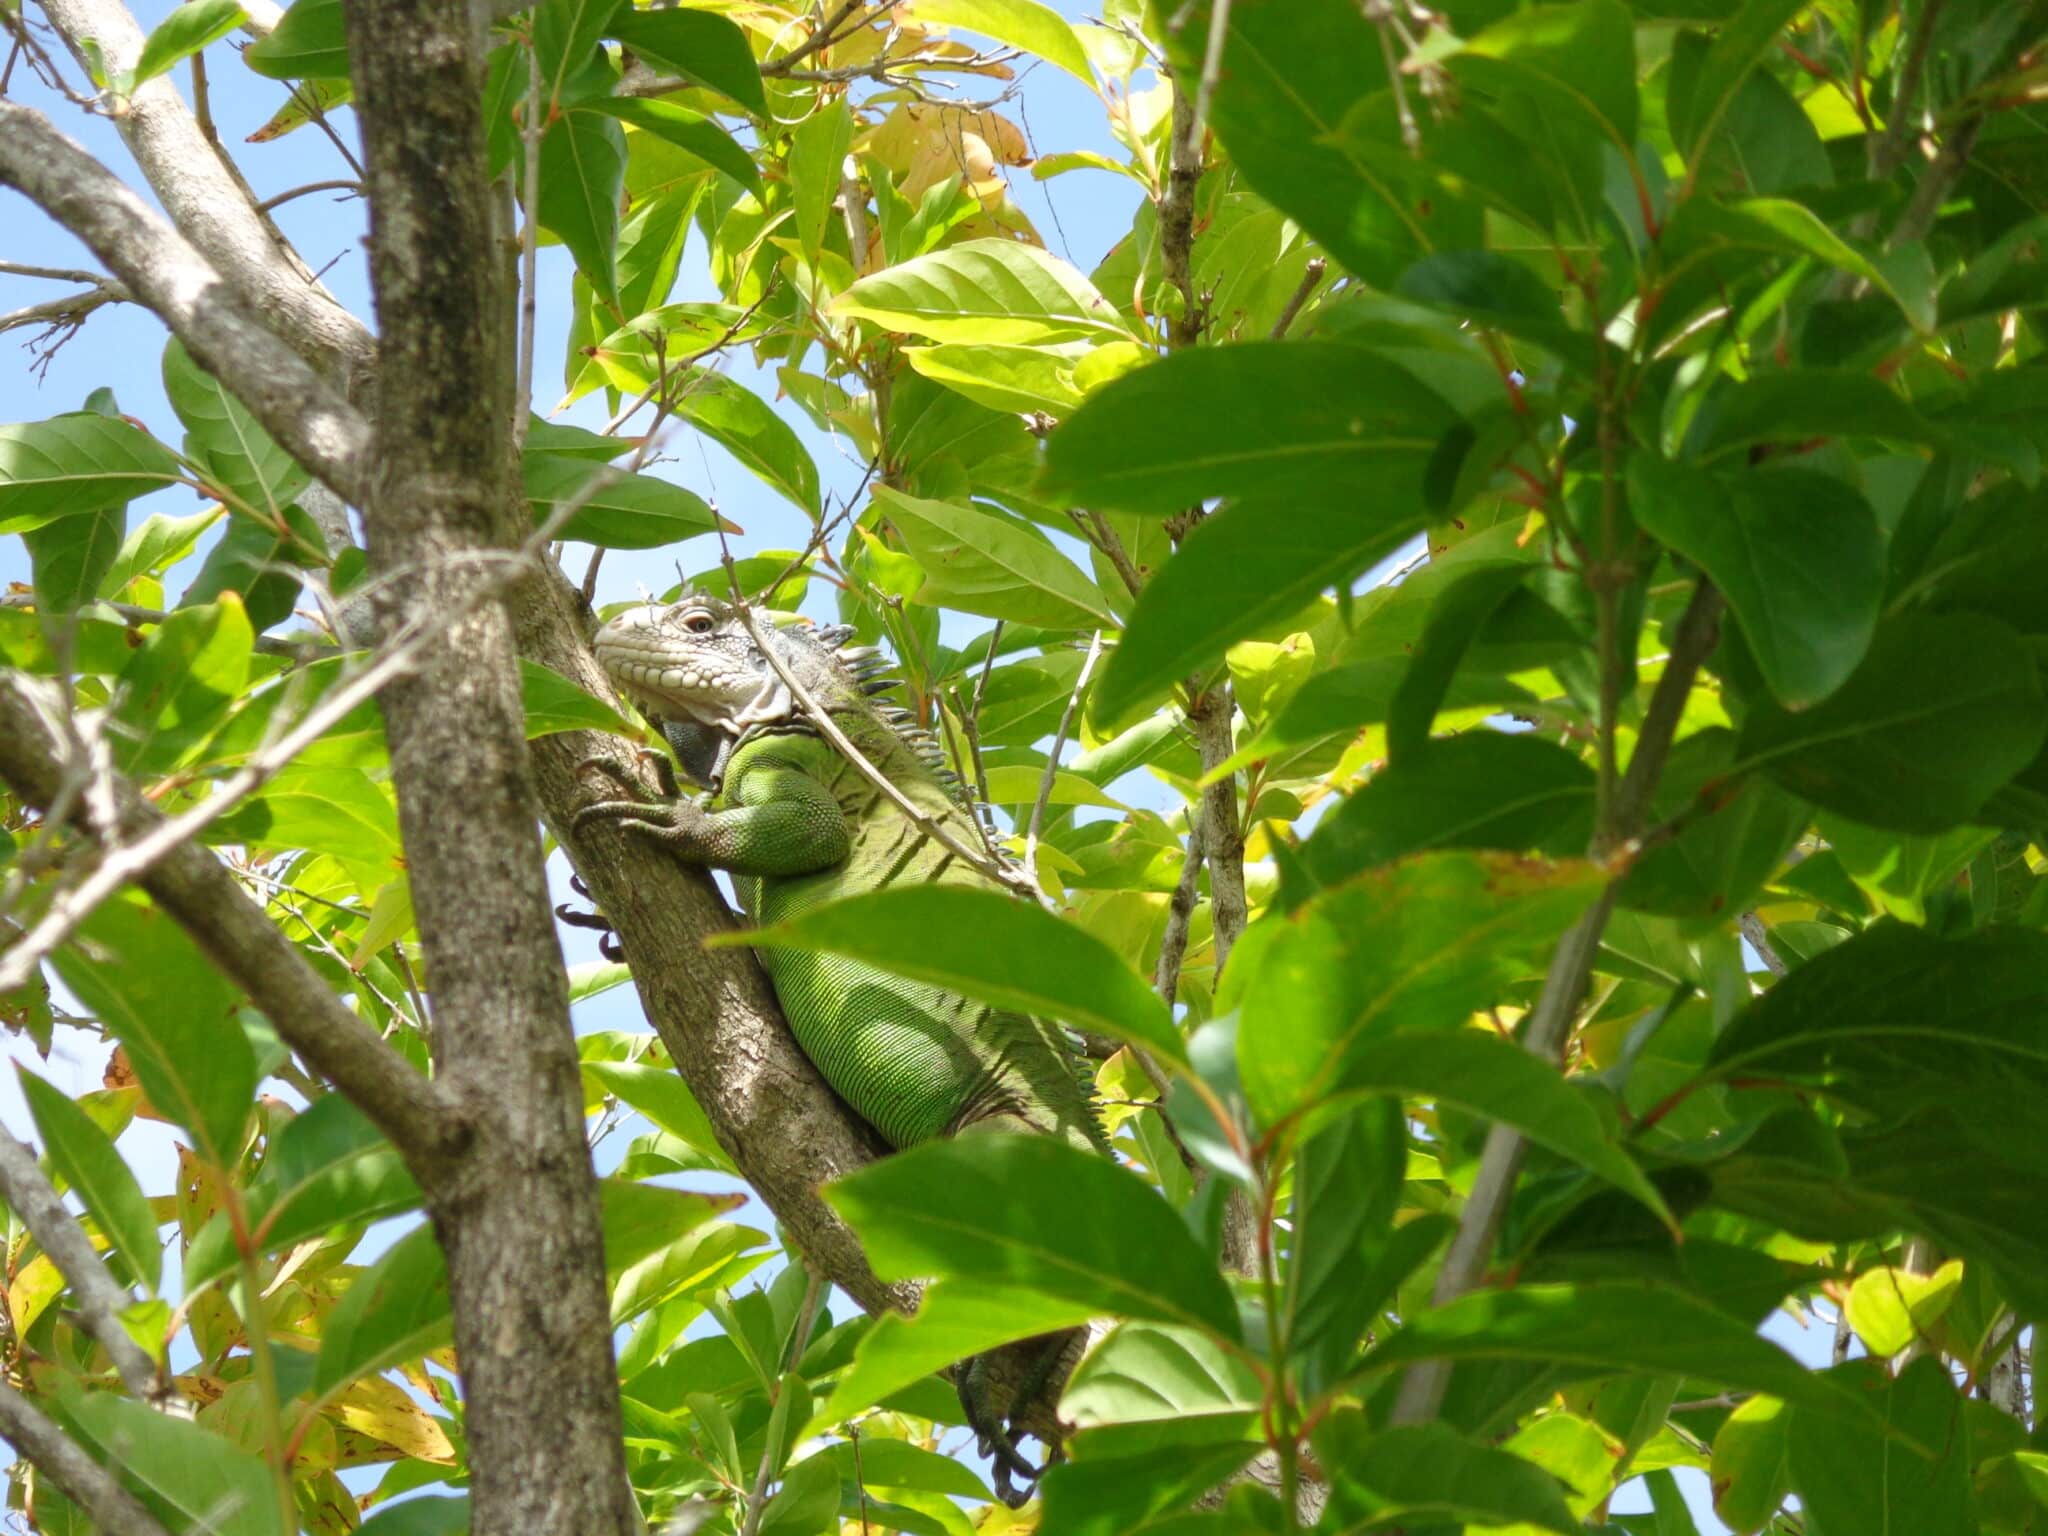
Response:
column 797, row 826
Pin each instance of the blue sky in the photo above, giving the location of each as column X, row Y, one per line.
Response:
column 1080, row 215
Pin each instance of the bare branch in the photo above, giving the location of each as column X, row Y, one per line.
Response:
column 1564, row 986
column 97, row 1297
column 1311, row 275
column 343, row 185
column 202, row 895
column 213, row 208
column 112, row 1509
column 824, row 37
column 162, row 270
column 1180, row 908
column 1760, row 940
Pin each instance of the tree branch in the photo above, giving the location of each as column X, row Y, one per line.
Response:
column 163, row 271
column 213, row 208
column 519, row 1223
column 113, row 1510
column 97, row 1297
column 203, row 896
column 1564, row 985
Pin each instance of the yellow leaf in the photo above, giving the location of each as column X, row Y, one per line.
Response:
column 381, row 1409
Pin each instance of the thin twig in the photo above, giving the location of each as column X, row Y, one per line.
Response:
column 311, row 187
column 529, row 252
column 1180, row 910
column 824, row 37
column 1311, row 275
column 1052, row 761
column 1212, row 64
column 1564, row 985
column 1759, row 938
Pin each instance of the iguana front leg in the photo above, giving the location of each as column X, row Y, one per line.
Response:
column 785, row 823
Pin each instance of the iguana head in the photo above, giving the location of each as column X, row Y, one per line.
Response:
column 694, row 660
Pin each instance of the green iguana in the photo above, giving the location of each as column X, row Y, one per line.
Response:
column 797, row 825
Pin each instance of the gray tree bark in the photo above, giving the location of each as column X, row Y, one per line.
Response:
column 519, row 1222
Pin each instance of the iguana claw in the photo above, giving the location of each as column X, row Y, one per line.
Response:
column 608, row 941
column 993, row 1438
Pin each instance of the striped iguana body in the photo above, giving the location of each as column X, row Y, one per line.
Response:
column 797, row 825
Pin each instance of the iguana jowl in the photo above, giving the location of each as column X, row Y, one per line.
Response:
column 797, row 825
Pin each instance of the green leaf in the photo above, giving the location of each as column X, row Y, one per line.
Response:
column 659, row 1242
column 311, row 42
column 1316, row 425
column 1253, row 565
column 1941, row 712
column 175, row 1015
column 192, row 1479
column 1890, row 1307
column 1419, row 945
column 1614, row 1327
column 627, row 512
column 225, row 440
column 565, row 38
column 741, row 422
column 395, row 1312
column 1007, row 378
column 1876, row 1476
column 1749, row 1476
column 807, row 1502
column 72, row 556
column 552, row 703
column 993, row 948
column 1496, row 1078
column 1037, row 29
column 329, row 809
column 1424, row 1475
column 1347, row 1184
column 1898, row 1018
column 1798, row 555
column 259, row 560
column 1799, row 404
column 189, row 28
column 663, row 1097
column 1147, row 1371
column 420, row 1517
column 1737, row 49
column 710, row 50
column 1456, row 617
column 979, row 563
column 984, row 291
column 1728, row 844
column 897, row 1464
column 1575, row 61
column 1773, row 225
column 1292, row 72
column 582, row 177
column 1480, row 789
column 693, row 131
column 1032, row 1212
column 86, row 1158
column 73, row 464
column 328, row 1168
column 817, row 157
column 160, row 542
column 956, row 1319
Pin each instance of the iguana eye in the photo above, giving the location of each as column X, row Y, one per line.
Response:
column 699, row 623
